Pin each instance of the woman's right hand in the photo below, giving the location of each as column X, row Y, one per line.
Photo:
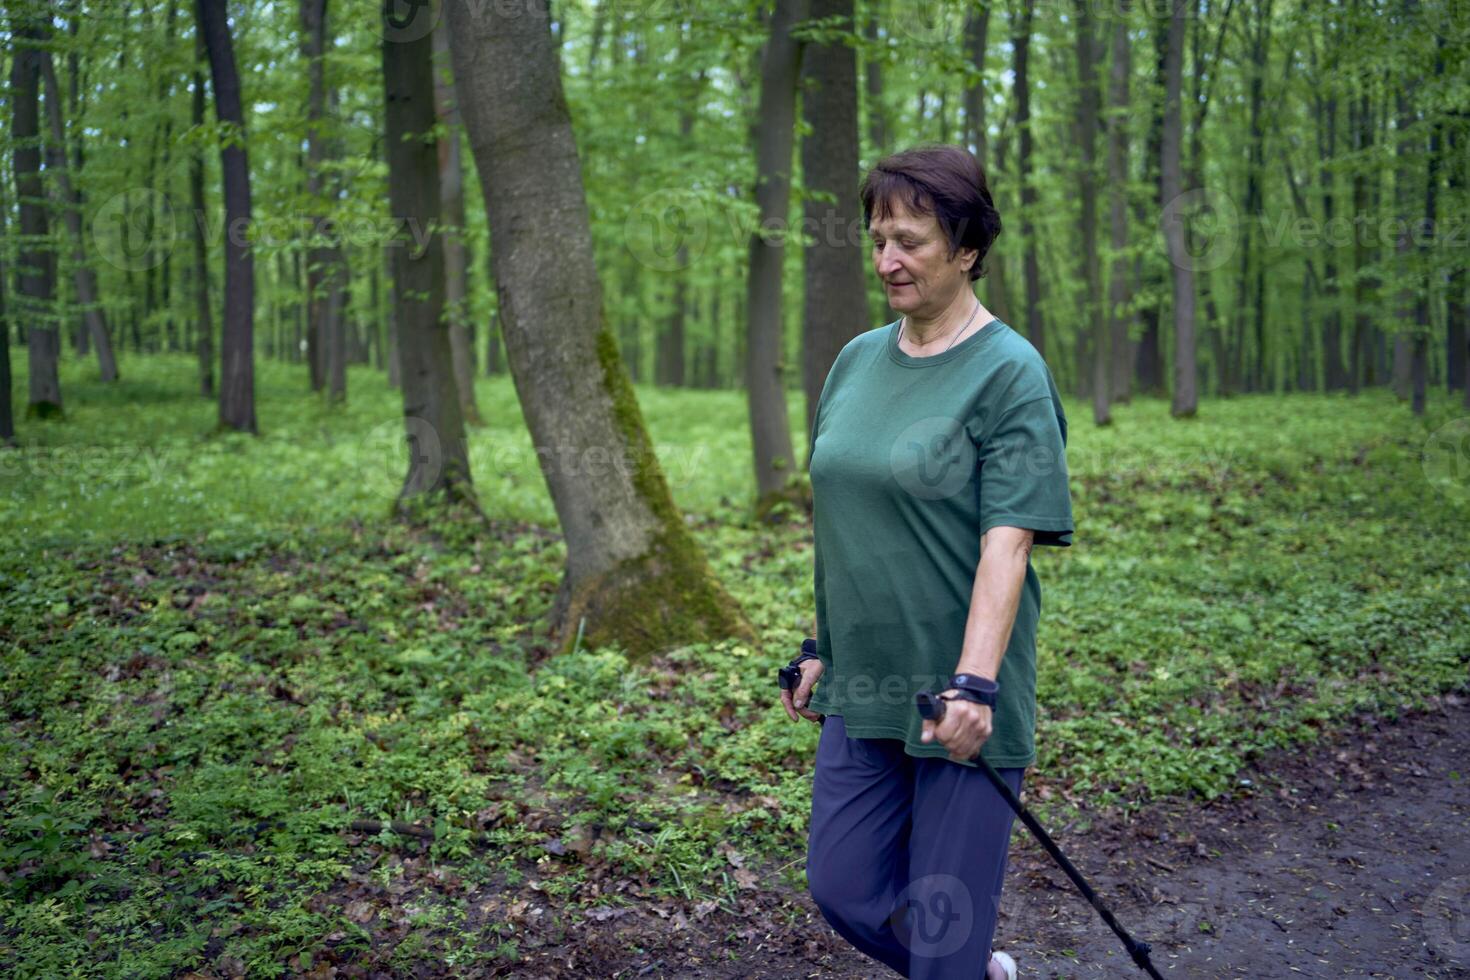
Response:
column 796, row 707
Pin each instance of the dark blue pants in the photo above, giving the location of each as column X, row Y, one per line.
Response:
column 907, row 855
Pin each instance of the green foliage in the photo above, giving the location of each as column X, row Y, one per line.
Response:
column 211, row 664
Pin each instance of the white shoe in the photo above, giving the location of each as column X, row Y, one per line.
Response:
column 1006, row 963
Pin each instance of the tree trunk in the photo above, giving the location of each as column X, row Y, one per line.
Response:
column 1021, row 43
column 237, row 339
column 456, row 270
column 1092, row 355
column 36, row 296
column 873, row 83
column 1120, row 360
column 1148, row 359
column 1335, row 378
column 764, row 369
column 204, row 327
column 1419, row 366
column 1457, row 309
column 977, row 34
column 977, row 31
column 7, row 418
column 438, row 459
column 634, row 577
column 836, row 301
column 326, row 264
column 1362, row 127
column 1185, row 401
column 84, row 276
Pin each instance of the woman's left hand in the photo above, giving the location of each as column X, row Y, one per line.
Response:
column 963, row 729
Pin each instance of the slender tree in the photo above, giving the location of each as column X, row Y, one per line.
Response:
column 36, row 297
column 203, row 317
column 456, row 267
column 1120, row 361
column 1092, row 339
column 237, row 340
column 977, row 33
column 326, row 264
column 1185, row 401
column 438, row 463
column 70, row 193
column 765, row 388
column 1031, row 265
column 634, row 576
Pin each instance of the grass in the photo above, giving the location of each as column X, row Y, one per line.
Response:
column 216, row 652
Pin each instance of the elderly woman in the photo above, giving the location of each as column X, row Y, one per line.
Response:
column 937, row 463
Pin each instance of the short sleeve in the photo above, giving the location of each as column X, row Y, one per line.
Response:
column 1023, row 473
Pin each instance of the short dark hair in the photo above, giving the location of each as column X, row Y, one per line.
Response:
column 939, row 179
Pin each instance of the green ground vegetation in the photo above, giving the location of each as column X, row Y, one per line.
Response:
column 217, row 652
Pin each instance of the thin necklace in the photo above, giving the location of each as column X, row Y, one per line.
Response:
column 956, row 336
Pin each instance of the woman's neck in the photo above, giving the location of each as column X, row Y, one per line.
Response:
column 957, row 315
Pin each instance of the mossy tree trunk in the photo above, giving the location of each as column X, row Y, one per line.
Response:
column 634, row 575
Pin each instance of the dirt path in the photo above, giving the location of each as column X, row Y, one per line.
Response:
column 1351, row 859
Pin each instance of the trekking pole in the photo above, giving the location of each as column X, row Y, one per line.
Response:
column 931, row 706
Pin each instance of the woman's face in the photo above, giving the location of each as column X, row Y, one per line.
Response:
column 910, row 255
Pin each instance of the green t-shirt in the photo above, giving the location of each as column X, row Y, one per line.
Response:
column 912, row 459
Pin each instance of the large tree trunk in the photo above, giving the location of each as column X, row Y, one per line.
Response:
column 1091, row 353
column 770, row 427
column 438, row 459
column 1185, row 401
column 1120, row 360
column 204, row 327
column 35, row 301
column 237, row 340
column 634, row 575
column 836, row 302
column 84, row 276
column 456, row 265
column 1031, row 266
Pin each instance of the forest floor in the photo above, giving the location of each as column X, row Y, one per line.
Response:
column 251, row 727
column 1349, row 860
